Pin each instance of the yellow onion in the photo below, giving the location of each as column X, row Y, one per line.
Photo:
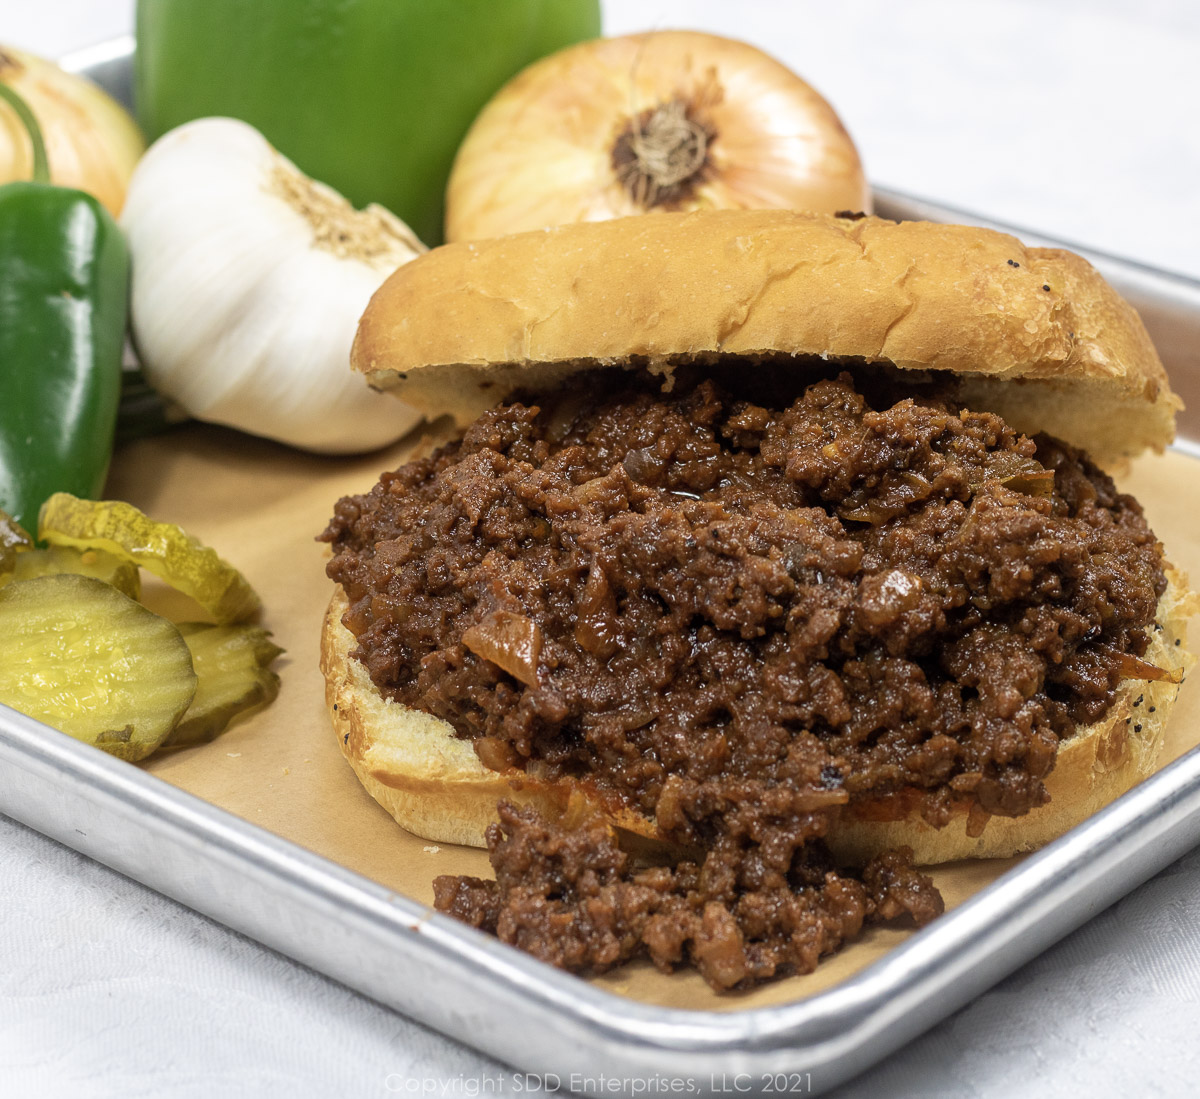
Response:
column 91, row 141
column 667, row 120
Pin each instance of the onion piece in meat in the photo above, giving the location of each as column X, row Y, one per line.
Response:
column 511, row 641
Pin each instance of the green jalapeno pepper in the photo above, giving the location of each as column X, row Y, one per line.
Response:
column 372, row 97
column 64, row 298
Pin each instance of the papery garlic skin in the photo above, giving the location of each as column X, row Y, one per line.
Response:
column 92, row 143
column 248, row 282
column 542, row 152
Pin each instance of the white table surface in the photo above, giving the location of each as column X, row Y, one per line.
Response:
column 1077, row 118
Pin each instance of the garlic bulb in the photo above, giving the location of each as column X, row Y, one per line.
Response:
column 248, row 282
column 91, row 141
column 667, row 120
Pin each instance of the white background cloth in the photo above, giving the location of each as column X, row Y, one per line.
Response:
column 1077, row 118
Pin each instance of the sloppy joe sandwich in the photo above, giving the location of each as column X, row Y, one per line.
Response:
column 774, row 557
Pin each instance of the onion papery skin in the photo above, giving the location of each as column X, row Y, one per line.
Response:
column 541, row 152
column 92, row 143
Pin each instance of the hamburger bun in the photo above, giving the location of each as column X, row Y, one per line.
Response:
column 421, row 771
column 460, row 328
column 1035, row 335
column 432, row 782
column 1094, row 767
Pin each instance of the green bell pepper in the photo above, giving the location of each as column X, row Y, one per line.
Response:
column 372, row 97
column 64, row 299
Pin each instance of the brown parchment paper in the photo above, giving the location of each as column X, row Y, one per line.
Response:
column 261, row 505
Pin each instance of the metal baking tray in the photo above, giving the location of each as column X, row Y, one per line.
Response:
column 543, row 1021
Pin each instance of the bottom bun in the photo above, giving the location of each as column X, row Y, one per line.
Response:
column 432, row 782
column 1094, row 767
column 421, row 771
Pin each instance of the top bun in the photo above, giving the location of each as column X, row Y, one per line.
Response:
column 458, row 329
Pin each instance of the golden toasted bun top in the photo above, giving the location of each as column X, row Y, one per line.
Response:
column 458, row 329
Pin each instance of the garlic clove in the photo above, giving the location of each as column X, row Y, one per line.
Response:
column 248, row 282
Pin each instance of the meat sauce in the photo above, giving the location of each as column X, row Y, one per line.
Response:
column 737, row 618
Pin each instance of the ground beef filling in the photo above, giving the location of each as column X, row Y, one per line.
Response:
column 737, row 619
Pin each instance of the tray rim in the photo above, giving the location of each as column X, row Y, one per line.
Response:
column 891, row 1000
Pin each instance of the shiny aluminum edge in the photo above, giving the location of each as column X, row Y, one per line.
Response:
column 537, row 1018
column 525, row 1013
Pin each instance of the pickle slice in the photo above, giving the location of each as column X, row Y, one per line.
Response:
column 54, row 560
column 232, row 665
column 13, row 539
column 78, row 655
column 163, row 548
